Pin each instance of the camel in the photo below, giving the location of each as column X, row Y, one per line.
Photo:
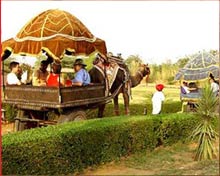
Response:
column 98, row 75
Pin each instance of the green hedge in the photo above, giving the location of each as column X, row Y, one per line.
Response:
column 71, row 147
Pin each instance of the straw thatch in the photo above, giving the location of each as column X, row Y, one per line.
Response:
column 199, row 67
column 56, row 30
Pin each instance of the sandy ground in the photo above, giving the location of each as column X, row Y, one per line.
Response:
column 113, row 169
column 7, row 128
column 121, row 169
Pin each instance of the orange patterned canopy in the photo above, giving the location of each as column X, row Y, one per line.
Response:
column 56, row 30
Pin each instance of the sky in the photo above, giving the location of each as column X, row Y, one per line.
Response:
column 156, row 31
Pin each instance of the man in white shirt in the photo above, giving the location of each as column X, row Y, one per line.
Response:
column 12, row 78
column 157, row 99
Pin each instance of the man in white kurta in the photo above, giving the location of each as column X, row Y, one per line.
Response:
column 157, row 100
column 12, row 78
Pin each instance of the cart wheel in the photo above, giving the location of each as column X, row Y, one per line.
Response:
column 72, row 116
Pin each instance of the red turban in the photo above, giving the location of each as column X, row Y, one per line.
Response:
column 159, row 87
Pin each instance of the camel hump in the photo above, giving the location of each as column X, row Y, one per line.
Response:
column 120, row 61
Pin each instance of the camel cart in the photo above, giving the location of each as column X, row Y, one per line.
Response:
column 68, row 37
column 196, row 72
column 66, row 103
column 70, row 103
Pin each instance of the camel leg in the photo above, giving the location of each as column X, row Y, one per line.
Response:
column 116, row 107
column 126, row 103
column 101, row 111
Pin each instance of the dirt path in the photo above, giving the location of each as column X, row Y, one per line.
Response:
column 113, row 169
column 181, row 163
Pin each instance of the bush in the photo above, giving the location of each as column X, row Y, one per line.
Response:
column 178, row 128
column 10, row 112
column 71, row 147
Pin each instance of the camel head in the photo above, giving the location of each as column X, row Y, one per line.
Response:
column 144, row 69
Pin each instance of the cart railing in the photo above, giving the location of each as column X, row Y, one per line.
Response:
column 44, row 98
column 36, row 98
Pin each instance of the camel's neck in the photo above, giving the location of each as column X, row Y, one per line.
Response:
column 136, row 79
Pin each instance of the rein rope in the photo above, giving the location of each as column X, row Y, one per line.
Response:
column 139, row 72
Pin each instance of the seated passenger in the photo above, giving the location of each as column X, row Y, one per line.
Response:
column 193, row 87
column 54, row 78
column 12, row 78
column 185, row 88
column 194, row 91
column 214, row 85
column 67, row 82
column 40, row 75
column 19, row 73
column 82, row 77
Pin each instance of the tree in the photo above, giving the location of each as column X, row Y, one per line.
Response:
column 168, row 71
column 182, row 62
column 214, row 52
column 133, row 62
column 155, row 72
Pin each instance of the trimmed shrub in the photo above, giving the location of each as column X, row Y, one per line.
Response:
column 10, row 112
column 178, row 128
column 71, row 147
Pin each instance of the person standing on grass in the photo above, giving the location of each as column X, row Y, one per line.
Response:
column 157, row 99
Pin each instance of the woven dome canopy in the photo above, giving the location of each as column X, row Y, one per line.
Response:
column 57, row 30
column 199, row 67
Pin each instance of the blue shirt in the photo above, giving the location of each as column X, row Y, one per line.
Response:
column 82, row 76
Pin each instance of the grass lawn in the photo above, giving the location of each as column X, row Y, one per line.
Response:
column 141, row 98
column 172, row 160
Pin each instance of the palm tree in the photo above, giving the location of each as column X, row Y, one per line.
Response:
column 205, row 131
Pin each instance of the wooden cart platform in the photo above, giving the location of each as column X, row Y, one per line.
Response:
column 43, row 98
column 70, row 101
